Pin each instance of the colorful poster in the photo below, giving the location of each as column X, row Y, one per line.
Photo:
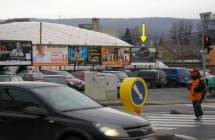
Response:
column 50, row 55
column 78, row 55
column 94, row 55
column 15, row 53
column 115, row 56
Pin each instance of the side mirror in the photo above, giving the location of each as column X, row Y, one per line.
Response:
column 35, row 111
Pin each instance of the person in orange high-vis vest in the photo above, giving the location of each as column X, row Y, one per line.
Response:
column 197, row 92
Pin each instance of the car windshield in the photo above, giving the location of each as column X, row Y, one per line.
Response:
column 64, row 99
column 121, row 75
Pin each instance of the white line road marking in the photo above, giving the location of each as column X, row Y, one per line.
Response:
column 171, row 122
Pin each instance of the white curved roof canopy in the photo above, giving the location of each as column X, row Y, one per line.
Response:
column 56, row 34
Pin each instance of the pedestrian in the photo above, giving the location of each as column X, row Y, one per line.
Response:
column 197, row 92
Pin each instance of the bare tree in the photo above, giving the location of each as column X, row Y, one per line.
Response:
column 174, row 32
column 180, row 33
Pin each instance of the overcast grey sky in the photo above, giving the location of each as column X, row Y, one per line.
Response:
column 104, row 8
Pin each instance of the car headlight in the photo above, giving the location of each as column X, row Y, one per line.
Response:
column 112, row 130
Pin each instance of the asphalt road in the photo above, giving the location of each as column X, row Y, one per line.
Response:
column 184, row 124
column 168, row 95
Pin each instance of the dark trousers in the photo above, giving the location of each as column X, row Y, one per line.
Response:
column 197, row 108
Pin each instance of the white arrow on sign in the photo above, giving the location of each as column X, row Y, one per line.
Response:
column 138, row 92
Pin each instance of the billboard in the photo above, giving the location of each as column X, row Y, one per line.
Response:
column 115, row 56
column 15, row 53
column 78, row 55
column 50, row 55
column 140, row 55
column 94, row 55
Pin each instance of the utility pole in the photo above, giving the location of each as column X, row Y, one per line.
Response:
column 182, row 51
column 41, row 30
column 204, row 18
column 59, row 19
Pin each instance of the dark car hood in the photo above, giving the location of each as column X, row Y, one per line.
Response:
column 108, row 116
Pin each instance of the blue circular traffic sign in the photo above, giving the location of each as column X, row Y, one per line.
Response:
column 138, row 93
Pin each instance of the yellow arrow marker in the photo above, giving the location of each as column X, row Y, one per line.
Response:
column 138, row 92
column 143, row 36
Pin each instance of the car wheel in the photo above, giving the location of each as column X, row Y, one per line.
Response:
column 172, row 84
column 74, row 138
column 212, row 92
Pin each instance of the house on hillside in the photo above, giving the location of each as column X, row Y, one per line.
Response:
column 169, row 52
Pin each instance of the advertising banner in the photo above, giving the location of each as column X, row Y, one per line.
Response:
column 94, row 55
column 15, row 53
column 115, row 56
column 141, row 55
column 50, row 55
column 78, row 55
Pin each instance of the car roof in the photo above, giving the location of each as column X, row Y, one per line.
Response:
column 28, row 84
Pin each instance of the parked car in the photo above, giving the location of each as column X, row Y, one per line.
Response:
column 10, row 78
column 31, row 76
column 177, row 76
column 58, row 79
column 70, row 79
column 79, row 75
column 153, row 78
column 47, row 111
column 211, row 86
column 208, row 76
column 120, row 74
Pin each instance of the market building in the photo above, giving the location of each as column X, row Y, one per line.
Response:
column 59, row 45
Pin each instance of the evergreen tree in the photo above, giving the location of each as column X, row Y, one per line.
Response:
column 127, row 37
